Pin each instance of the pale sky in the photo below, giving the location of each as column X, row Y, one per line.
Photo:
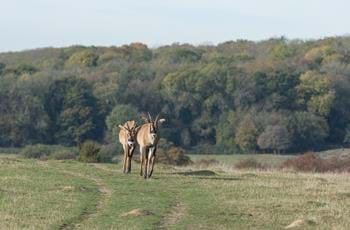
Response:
column 28, row 24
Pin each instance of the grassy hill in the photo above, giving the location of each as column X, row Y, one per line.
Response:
column 69, row 194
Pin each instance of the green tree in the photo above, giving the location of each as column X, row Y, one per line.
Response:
column 23, row 119
column 339, row 116
column 195, row 87
column 225, row 129
column 309, row 131
column 85, row 58
column 119, row 115
column 2, row 67
column 246, row 135
column 73, row 111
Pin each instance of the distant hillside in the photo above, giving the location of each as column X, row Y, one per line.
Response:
column 274, row 95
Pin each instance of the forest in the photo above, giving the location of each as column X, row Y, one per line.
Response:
column 276, row 95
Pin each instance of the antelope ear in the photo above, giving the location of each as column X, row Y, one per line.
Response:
column 121, row 127
column 160, row 121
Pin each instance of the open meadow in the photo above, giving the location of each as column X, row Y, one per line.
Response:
column 73, row 195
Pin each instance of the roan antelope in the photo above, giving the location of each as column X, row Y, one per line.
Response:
column 147, row 138
column 127, row 137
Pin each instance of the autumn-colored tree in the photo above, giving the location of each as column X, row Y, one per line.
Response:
column 275, row 138
column 316, row 92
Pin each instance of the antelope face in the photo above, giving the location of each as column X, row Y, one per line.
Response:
column 131, row 136
column 130, row 139
column 130, row 133
column 153, row 125
column 153, row 133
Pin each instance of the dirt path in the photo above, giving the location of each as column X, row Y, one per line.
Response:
column 176, row 213
column 105, row 195
column 171, row 218
column 102, row 188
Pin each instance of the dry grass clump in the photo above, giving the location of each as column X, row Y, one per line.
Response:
column 308, row 162
column 312, row 162
column 250, row 164
column 338, row 165
column 137, row 212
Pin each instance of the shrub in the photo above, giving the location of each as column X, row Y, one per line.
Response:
column 107, row 153
column 9, row 150
column 164, row 146
column 63, row 155
column 174, row 156
column 45, row 152
column 89, row 152
column 250, row 164
column 311, row 162
column 308, row 162
column 36, row 151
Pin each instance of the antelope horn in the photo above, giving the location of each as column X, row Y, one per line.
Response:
column 127, row 126
column 157, row 118
column 150, row 118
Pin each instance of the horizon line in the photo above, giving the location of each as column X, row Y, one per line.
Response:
column 158, row 45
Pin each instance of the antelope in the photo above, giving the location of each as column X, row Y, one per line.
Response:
column 127, row 137
column 147, row 137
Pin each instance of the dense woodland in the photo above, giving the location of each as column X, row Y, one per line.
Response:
column 237, row 96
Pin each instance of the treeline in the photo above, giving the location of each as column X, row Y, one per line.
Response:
column 272, row 95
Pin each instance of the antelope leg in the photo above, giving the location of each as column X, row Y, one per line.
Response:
column 129, row 165
column 150, row 153
column 131, row 152
column 147, row 165
column 153, row 159
column 125, row 158
column 142, row 158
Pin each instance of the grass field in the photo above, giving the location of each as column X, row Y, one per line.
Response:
column 73, row 195
column 231, row 160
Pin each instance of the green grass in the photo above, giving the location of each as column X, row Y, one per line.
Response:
column 32, row 196
column 70, row 194
column 231, row 160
